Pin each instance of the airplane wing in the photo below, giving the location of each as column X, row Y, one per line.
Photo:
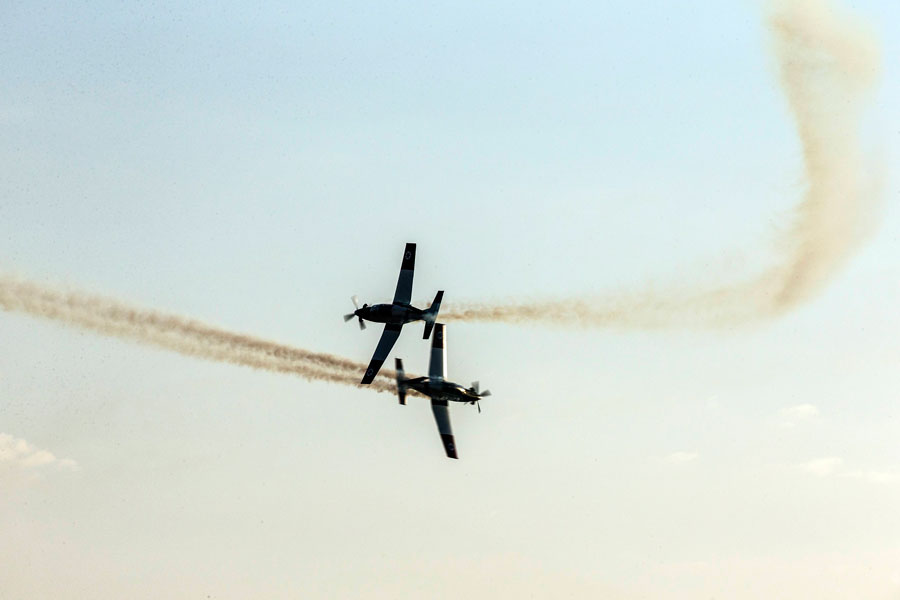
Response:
column 437, row 368
column 388, row 337
column 403, row 294
column 442, row 418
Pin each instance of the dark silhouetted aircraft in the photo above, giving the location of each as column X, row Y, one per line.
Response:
column 441, row 391
column 396, row 314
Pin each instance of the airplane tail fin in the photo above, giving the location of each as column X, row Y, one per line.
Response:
column 432, row 313
column 401, row 377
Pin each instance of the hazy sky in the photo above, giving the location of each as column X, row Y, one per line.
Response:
column 255, row 167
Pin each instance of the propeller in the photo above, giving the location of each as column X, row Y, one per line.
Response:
column 476, row 389
column 355, row 300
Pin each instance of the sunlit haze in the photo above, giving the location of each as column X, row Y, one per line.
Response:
column 669, row 240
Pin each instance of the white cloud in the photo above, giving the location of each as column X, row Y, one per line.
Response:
column 17, row 453
column 800, row 412
column 677, row 458
column 832, row 465
column 822, row 467
column 793, row 415
column 873, row 476
column 68, row 463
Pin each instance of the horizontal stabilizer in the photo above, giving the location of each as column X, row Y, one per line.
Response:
column 432, row 313
column 401, row 385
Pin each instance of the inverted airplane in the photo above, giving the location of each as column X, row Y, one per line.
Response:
column 441, row 391
column 396, row 314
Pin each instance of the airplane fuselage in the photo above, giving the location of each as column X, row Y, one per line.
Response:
column 439, row 389
column 396, row 314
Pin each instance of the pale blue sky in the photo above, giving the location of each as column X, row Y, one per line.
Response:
column 253, row 168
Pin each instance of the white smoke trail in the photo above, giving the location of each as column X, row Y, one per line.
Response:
column 827, row 63
column 111, row 317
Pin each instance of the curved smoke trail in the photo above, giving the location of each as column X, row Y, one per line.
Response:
column 827, row 63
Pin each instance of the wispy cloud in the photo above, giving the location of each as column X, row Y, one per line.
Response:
column 18, row 453
column 873, row 476
column 833, row 466
column 800, row 412
column 793, row 415
column 823, row 467
column 681, row 457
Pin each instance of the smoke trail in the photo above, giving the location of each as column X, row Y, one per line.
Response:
column 186, row 336
column 826, row 64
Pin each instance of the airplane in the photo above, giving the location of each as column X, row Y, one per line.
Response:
column 395, row 315
column 439, row 390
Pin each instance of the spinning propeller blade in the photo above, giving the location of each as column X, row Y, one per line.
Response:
column 476, row 389
column 355, row 300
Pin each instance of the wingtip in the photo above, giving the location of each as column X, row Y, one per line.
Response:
column 409, row 258
column 449, row 445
